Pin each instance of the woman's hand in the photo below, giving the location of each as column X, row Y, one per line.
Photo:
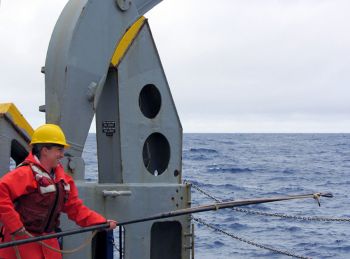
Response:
column 112, row 224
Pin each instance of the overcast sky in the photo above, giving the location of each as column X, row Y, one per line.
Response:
column 232, row 65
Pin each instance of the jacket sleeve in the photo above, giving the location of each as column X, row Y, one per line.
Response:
column 13, row 185
column 78, row 212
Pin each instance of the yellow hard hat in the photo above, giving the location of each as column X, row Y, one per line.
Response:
column 49, row 134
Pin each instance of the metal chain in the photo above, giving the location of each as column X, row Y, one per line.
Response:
column 249, row 241
column 279, row 215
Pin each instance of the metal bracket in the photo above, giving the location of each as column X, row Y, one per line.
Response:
column 42, row 108
column 123, row 4
column 94, row 91
column 91, row 89
column 115, row 193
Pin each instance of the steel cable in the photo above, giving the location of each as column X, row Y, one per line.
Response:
column 279, row 215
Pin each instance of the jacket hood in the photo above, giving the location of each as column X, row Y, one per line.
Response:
column 31, row 159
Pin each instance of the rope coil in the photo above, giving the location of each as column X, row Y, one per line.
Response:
column 70, row 251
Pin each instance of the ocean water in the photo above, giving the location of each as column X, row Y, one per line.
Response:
column 241, row 166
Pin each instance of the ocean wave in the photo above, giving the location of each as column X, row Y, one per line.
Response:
column 289, row 171
column 227, row 142
column 291, row 229
column 204, row 150
column 203, row 185
column 292, row 189
column 199, row 154
column 328, row 248
column 231, row 187
column 341, row 145
column 223, row 186
column 197, row 157
column 228, row 169
column 218, row 244
column 237, row 226
column 261, row 207
column 231, row 217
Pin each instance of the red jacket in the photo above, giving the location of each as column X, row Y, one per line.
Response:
column 21, row 182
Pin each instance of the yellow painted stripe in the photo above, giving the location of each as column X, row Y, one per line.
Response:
column 11, row 112
column 126, row 41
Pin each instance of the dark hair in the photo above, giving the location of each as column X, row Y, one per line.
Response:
column 36, row 148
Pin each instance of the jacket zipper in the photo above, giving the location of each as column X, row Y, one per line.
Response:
column 53, row 208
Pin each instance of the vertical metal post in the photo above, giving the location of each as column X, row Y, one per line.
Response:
column 120, row 242
column 192, row 245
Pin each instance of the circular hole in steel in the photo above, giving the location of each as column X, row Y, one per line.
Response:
column 176, row 173
column 150, row 101
column 156, row 153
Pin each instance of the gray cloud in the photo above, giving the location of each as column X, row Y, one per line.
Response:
column 232, row 65
column 276, row 61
